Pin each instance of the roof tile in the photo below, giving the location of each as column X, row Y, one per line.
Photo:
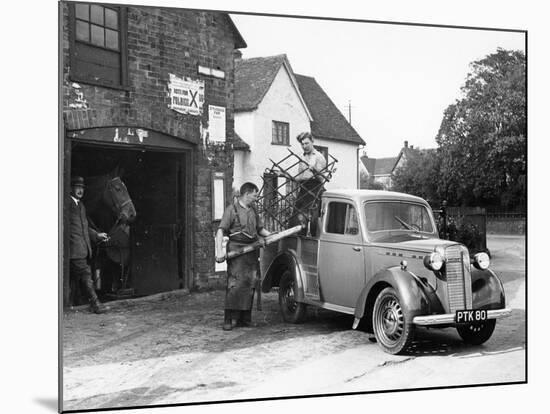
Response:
column 253, row 77
column 328, row 121
column 379, row 166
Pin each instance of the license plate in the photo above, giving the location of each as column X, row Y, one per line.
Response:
column 469, row 316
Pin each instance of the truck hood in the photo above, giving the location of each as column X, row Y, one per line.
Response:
column 413, row 242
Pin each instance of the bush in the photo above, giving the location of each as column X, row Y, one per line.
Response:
column 466, row 233
column 375, row 186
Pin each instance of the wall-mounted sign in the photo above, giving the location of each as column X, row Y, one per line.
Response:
column 218, row 195
column 216, row 123
column 216, row 73
column 186, row 95
column 130, row 135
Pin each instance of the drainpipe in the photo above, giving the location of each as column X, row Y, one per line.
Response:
column 358, row 160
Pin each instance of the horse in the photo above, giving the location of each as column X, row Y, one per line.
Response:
column 111, row 210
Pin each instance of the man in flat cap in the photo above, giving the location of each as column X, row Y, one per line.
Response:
column 80, row 246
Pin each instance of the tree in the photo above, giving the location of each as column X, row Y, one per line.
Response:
column 482, row 138
column 417, row 175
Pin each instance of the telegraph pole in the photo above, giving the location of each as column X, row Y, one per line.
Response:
column 349, row 112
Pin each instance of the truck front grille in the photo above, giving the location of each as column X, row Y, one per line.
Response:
column 459, row 285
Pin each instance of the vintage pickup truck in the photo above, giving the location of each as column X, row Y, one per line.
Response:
column 377, row 255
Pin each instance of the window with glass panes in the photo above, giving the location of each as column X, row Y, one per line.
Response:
column 97, row 25
column 98, row 43
column 342, row 219
column 280, row 133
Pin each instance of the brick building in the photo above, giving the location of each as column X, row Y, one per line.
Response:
column 149, row 91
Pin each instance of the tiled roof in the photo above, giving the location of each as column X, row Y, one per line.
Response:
column 384, row 166
column 410, row 153
column 379, row 166
column 253, row 77
column 328, row 121
column 369, row 164
column 239, row 144
column 239, row 41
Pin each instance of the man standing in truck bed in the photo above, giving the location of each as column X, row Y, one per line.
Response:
column 243, row 225
column 311, row 183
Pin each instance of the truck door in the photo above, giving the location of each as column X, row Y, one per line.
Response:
column 341, row 255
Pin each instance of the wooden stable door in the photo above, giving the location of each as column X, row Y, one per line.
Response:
column 157, row 236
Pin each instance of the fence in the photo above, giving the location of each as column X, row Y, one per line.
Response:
column 506, row 223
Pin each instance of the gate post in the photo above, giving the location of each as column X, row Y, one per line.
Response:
column 443, row 215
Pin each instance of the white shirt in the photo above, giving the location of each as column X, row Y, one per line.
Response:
column 315, row 160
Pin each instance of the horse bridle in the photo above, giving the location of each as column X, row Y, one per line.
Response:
column 115, row 202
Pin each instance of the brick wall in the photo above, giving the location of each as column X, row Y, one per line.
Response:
column 163, row 41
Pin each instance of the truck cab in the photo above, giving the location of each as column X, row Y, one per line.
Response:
column 377, row 255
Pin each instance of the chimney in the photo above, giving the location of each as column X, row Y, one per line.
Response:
column 406, row 144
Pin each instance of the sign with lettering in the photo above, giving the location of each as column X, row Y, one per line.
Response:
column 130, row 135
column 186, row 95
column 216, row 123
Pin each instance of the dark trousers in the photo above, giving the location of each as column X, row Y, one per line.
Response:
column 82, row 273
column 308, row 202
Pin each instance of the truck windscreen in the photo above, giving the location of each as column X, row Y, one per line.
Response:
column 384, row 216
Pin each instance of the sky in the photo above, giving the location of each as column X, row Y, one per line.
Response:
column 399, row 79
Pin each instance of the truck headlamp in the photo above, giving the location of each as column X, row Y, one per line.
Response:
column 434, row 261
column 481, row 261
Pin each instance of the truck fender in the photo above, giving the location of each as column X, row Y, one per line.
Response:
column 418, row 297
column 487, row 290
column 287, row 259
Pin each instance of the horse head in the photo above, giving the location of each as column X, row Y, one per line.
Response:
column 117, row 198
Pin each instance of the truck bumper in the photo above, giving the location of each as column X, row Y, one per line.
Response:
column 449, row 318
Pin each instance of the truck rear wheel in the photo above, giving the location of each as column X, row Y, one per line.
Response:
column 291, row 310
column 477, row 333
column 391, row 329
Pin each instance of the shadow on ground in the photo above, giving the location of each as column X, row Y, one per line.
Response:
column 176, row 325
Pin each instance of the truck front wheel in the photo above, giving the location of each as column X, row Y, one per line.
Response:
column 391, row 329
column 291, row 310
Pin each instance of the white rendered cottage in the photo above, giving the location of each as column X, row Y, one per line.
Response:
column 272, row 106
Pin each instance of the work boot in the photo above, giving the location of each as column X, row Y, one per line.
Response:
column 245, row 318
column 235, row 318
column 97, row 307
column 227, row 320
column 95, row 304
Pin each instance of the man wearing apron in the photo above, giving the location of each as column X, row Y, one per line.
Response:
column 243, row 226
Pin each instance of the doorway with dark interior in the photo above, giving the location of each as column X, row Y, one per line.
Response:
column 156, row 182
